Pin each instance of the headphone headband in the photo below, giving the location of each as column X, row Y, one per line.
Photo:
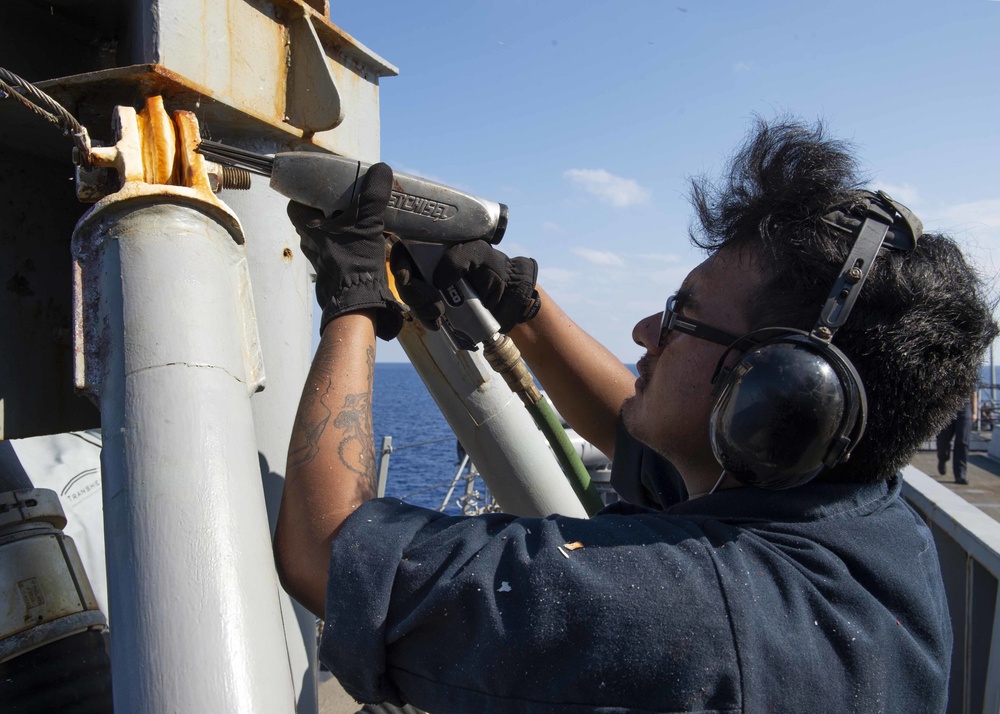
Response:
column 886, row 223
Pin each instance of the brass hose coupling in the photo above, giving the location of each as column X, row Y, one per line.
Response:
column 505, row 359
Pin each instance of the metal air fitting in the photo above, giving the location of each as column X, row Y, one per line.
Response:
column 505, row 359
column 44, row 591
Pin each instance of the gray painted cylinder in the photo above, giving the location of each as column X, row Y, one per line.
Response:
column 493, row 426
column 194, row 611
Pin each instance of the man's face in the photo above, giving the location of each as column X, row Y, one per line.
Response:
column 673, row 395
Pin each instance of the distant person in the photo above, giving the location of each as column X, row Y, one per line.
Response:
column 986, row 416
column 756, row 569
column 958, row 430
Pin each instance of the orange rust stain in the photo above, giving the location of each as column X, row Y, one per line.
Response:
column 286, row 254
column 159, row 143
column 195, row 174
column 172, row 81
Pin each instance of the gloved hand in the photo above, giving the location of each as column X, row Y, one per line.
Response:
column 505, row 286
column 350, row 260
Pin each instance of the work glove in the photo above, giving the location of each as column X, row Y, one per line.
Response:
column 505, row 286
column 350, row 260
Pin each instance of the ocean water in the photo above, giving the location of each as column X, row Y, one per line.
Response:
column 419, row 472
column 403, row 409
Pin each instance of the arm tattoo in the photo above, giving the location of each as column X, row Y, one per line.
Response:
column 308, row 428
column 356, row 450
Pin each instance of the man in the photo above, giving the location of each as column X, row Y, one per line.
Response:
column 710, row 596
column 959, row 430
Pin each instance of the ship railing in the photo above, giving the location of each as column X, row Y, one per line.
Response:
column 968, row 544
column 470, row 502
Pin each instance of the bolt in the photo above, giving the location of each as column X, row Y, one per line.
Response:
column 235, row 178
column 854, row 274
column 220, row 177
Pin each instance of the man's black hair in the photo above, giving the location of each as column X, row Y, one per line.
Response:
column 922, row 322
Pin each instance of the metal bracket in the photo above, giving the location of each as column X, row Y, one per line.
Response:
column 312, row 101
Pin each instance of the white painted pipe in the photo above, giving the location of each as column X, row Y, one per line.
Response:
column 493, row 426
column 170, row 351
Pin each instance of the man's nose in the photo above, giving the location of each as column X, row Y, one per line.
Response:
column 646, row 332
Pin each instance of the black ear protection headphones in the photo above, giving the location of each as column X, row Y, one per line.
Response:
column 794, row 404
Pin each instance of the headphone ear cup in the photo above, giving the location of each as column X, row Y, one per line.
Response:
column 784, row 413
column 721, row 379
column 856, row 412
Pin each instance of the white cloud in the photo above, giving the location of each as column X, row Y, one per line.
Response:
column 556, row 276
column 600, row 257
column 669, row 278
column 985, row 213
column 616, row 190
column 552, row 227
column 661, row 257
column 742, row 67
column 975, row 225
column 513, row 248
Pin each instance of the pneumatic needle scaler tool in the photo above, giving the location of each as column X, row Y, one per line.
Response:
column 426, row 216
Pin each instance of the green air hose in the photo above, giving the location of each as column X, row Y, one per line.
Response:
column 505, row 359
column 577, row 474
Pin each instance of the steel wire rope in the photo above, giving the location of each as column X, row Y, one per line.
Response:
column 91, row 440
column 30, row 96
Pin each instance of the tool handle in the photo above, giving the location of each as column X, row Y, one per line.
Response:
column 472, row 322
column 418, row 209
column 465, row 318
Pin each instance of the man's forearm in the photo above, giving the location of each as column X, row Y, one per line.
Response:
column 583, row 379
column 331, row 457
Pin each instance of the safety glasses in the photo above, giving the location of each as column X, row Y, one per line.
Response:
column 671, row 321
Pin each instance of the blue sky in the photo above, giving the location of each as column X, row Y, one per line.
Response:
column 588, row 119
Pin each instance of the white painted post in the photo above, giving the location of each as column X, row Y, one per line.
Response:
column 170, row 352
